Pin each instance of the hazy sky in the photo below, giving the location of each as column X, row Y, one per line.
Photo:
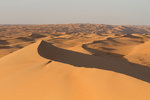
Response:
column 122, row 12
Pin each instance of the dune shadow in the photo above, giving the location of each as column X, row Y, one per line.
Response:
column 103, row 61
column 110, row 49
column 4, row 42
column 112, row 40
column 36, row 36
column 18, row 46
column 5, row 47
column 25, row 39
column 132, row 36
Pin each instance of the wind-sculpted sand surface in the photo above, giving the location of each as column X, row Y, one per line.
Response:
column 75, row 67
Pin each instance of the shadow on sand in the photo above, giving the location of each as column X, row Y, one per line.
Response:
column 103, row 61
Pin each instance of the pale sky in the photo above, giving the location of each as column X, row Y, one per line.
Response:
column 123, row 12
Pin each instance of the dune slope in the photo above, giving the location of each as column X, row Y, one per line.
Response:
column 42, row 71
column 140, row 54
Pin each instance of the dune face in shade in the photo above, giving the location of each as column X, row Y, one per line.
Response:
column 42, row 71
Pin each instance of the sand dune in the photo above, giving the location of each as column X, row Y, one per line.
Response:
column 42, row 71
column 74, row 62
column 117, row 45
column 140, row 54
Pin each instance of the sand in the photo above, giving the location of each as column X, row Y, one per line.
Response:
column 77, row 70
column 74, row 62
column 140, row 54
